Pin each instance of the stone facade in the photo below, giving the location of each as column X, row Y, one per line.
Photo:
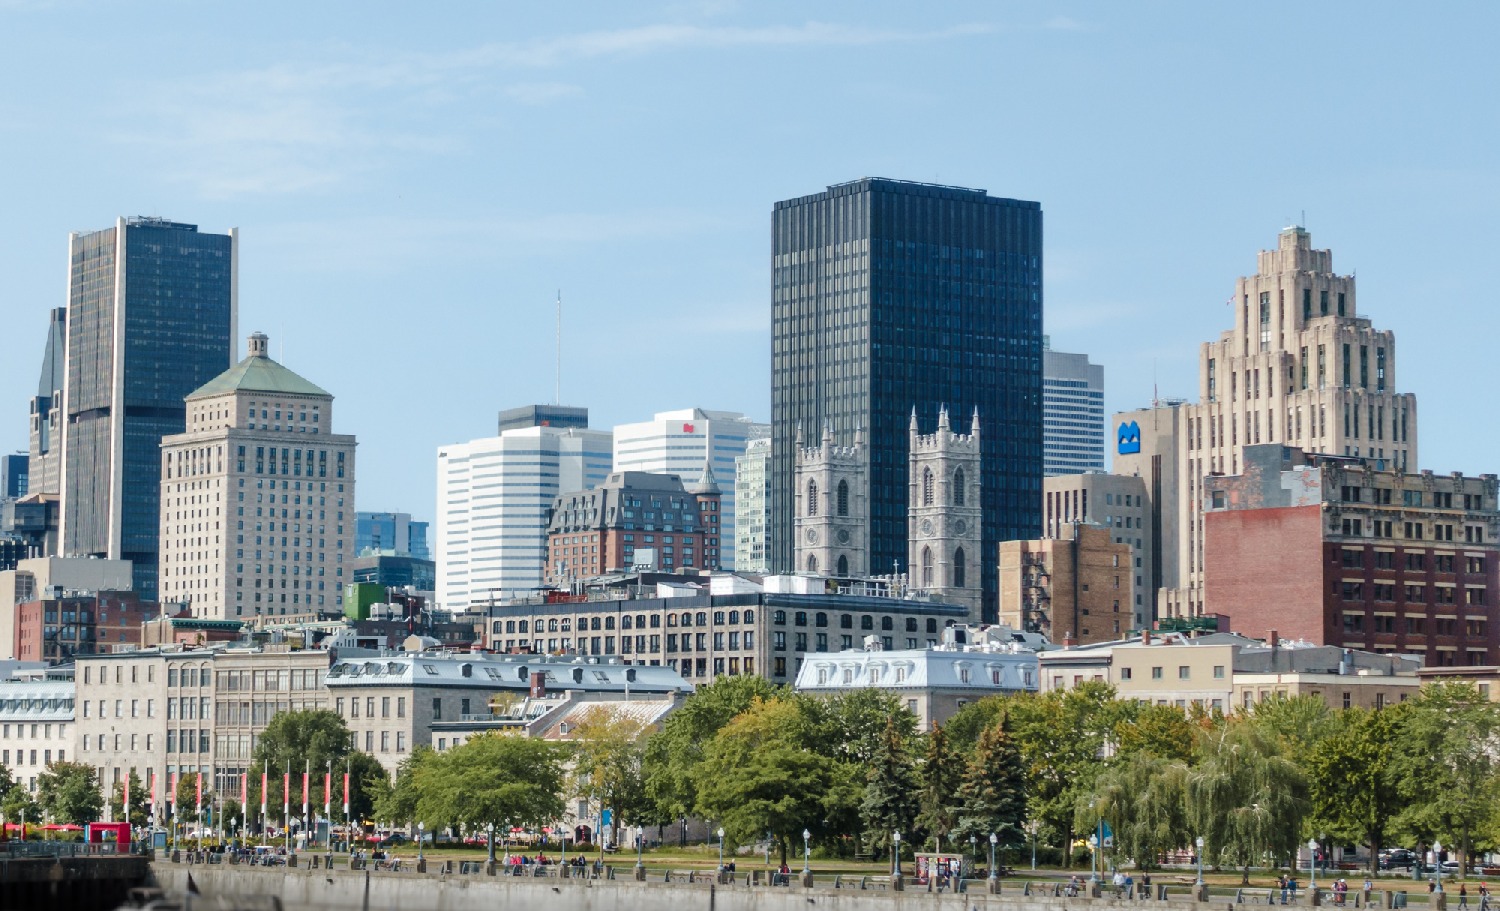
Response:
column 257, row 497
column 1300, row 367
column 944, row 514
column 1120, row 505
column 612, row 528
column 37, row 727
column 831, row 528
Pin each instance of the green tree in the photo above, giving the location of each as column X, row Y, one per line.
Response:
column 852, row 724
column 1061, row 736
column 1351, row 773
column 973, row 719
column 940, row 776
column 673, row 754
column 1143, row 798
column 1445, row 765
column 1246, row 797
column 399, row 802
column 18, row 804
column 607, row 757
column 892, row 798
column 1159, row 730
column 493, row 778
column 757, row 777
column 138, row 797
column 992, row 798
column 295, row 742
column 69, row 792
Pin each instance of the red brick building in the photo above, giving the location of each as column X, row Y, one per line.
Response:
column 634, row 518
column 1335, row 551
column 57, row 629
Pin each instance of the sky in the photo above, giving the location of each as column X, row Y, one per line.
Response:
column 415, row 183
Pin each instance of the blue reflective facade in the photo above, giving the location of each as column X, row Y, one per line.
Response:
column 150, row 319
column 890, row 295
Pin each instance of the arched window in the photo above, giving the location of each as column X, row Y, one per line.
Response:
column 812, row 498
column 927, row 487
column 843, row 498
column 927, row 567
column 812, row 564
column 958, row 568
column 843, row 565
column 958, row 487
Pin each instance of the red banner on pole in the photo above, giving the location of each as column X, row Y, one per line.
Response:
column 125, row 800
column 172, row 789
column 346, row 793
column 198, row 783
column 327, row 793
column 265, row 790
column 244, row 790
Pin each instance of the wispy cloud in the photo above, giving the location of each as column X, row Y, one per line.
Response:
column 298, row 127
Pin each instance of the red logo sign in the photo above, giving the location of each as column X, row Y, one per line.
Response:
column 687, row 428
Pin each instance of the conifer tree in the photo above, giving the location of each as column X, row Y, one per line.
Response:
column 941, row 775
column 992, row 798
column 892, row 792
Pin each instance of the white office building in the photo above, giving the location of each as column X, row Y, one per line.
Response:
column 493, row 498
column 752, row 507
column 680, row 442
column 1072, row 414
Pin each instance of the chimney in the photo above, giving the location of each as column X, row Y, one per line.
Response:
column 1275, row 639
column 1068, row 640
column 538, row 685
column 1145, row 637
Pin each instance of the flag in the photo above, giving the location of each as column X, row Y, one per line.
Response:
column 346, row 795
column 172, row 791
column 305, row 773
column 328, row 794
column 286, row 795
column 151, row 782
column 244, row 791
column 265, row 789
column 198, row 784
column 125, row 798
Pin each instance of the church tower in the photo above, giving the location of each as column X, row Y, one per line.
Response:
column 831, row 531
column 943, row 516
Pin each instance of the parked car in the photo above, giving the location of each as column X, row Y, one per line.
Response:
column 1397, row 859
column 393, row 839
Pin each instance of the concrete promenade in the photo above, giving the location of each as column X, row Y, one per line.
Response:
column 314, row 889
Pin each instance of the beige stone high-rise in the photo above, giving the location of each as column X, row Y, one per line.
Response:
column 1300, row 367
column 257, row 497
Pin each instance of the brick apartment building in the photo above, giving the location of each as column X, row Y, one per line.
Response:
column 634, row 518
column 57, row 629
column 1077, row 584
column 1335, row 551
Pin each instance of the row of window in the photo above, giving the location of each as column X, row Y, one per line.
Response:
column 1184, row 672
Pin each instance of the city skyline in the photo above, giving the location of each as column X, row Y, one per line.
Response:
column 359, row 160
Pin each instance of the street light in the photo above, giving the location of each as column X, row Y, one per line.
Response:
column 421, row 827
column 973, row 851
column 1437, row 862
column 490, row 833
column 720, row 833
column 1031, row 829
column 895, row 855
column 1312, row 866
column 1199, row 843
column 994, row 874
column 806, row 851
column 640, row 838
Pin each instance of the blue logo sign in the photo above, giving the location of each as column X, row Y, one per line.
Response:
column 1130, row 438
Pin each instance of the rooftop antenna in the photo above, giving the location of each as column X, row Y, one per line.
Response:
column 557, row 391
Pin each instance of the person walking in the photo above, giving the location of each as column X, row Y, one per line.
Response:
column 1463, row 897
column 1484, row 896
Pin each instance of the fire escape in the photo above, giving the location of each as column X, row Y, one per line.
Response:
column 1036, row 594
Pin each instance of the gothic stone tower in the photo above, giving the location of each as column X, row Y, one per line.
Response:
column 944, row 552
column 831, row 531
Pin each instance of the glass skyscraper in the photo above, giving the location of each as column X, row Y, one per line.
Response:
column 891, row 296
column 151, row 317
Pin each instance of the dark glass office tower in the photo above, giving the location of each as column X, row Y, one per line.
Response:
column 891, row 295
column 151, row 317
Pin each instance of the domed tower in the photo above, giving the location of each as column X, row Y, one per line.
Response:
column 944, row 513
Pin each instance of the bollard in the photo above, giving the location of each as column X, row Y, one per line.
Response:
column 1200, row 893
column 807, row 881
column 422, row 865
column 640, row 874
column 1441, row 904
column 291, row 860
column 897, row 883
column 993, row 886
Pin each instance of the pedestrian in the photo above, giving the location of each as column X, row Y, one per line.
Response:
column 1463, row 897
column 1484, row 896
column 1145, row 885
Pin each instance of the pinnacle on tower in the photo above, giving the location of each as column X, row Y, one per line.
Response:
column 943, row 426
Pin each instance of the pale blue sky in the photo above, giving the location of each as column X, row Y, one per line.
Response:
column 415, row 181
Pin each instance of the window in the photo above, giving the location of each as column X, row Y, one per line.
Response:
column 812, row 498
column 1184, row 672
column 958, row 488
column 1218, row 672
column 1156, row 673
column 843, row 498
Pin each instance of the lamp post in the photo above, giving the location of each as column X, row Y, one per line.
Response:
column 994, row 874
column 806, row 851
column 562, row 836
column 895, row 855
column 1437, row 863
column 640, row 840
column 1199, row 843
column 421, row 840
column 1031, row 829
column 973, row 850
column 720, row 833
column 1312, row 865
column 1093, row 858
column 489, row 830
